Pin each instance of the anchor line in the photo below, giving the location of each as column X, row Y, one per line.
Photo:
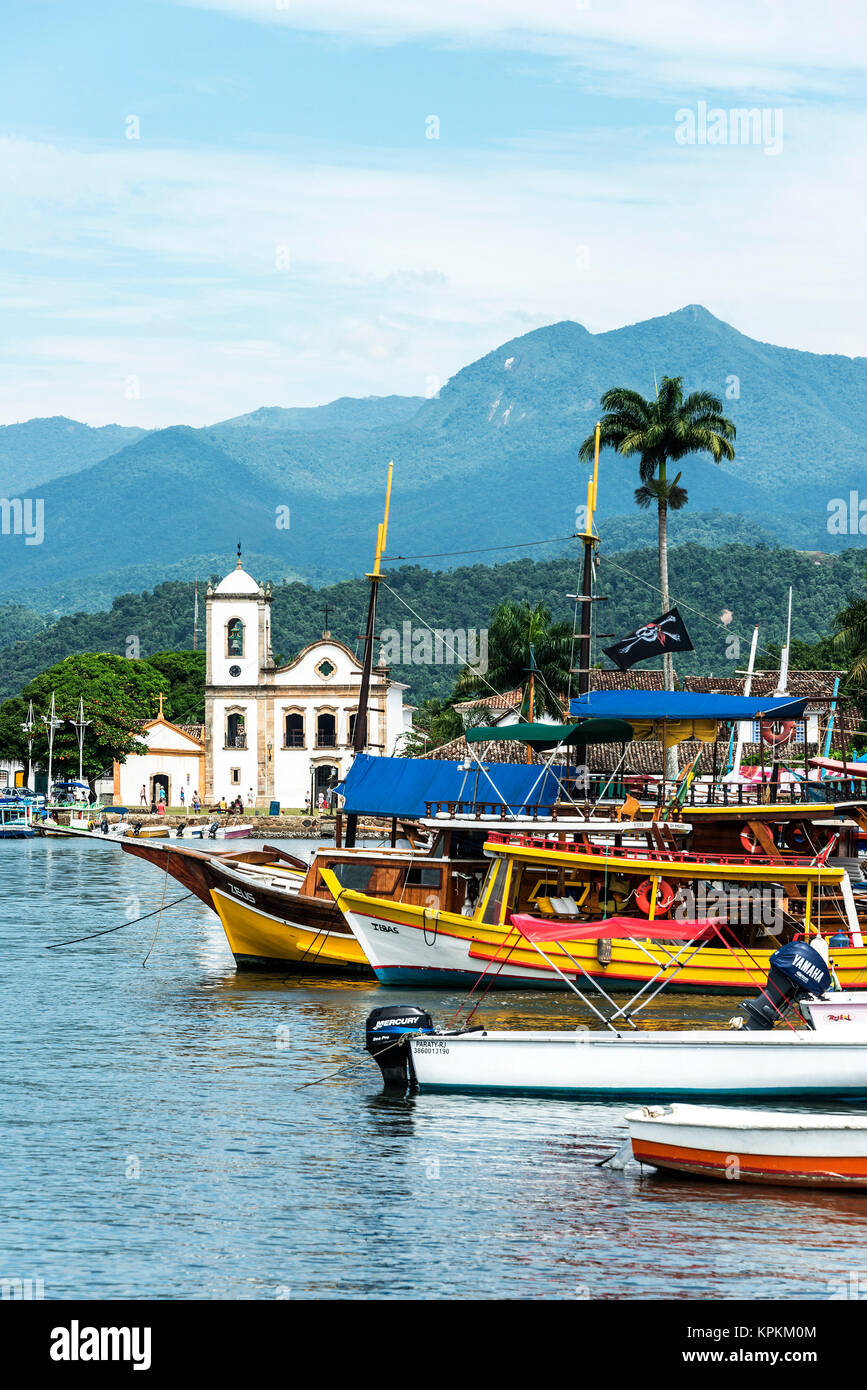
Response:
column 76, row 939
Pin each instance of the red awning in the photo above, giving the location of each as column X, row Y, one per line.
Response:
column 537, row 929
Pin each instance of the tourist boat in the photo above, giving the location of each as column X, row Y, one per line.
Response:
column 106, row 823
column 279, row 918
column 753, row 1057
column 753, row 1146
column 585, row 888
column 16, row 821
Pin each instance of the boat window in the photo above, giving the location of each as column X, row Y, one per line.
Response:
column 493, row 912
column 419, row 877
column 354, row 876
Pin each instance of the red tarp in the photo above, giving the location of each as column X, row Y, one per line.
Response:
column 535, row 929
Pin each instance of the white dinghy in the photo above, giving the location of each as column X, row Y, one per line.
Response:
column 755, row 1146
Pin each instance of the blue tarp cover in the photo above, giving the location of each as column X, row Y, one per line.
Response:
column 376, row 786
column 683, row 704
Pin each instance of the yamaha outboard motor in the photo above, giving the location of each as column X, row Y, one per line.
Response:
column 797, row 972
column 387, row 1035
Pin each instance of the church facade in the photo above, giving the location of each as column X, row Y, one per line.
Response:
column 283, row 733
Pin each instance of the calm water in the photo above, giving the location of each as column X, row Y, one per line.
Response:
column 155, row 1144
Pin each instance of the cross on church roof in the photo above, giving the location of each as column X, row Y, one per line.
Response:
column 239, row 566
column 326, row 632
column 161, row 705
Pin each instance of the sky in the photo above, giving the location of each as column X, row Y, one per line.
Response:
column 216, row 205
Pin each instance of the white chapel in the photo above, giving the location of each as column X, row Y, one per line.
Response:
column 283, row 733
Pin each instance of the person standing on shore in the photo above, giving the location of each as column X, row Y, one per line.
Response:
column 143, row 798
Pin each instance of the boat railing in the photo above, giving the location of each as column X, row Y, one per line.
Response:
column 561, row 845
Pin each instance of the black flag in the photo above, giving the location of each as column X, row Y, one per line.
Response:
column 663, row 635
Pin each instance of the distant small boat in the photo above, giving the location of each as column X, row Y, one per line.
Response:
column 16, row 821
column 754, row 1146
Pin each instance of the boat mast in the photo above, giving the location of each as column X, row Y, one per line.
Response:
column 359, row 736
column 28, row 728
column 79, row 725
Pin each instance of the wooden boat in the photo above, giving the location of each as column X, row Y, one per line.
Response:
column 280, row 916
column 186, row 862
column 573, row 882
column 754, row 1146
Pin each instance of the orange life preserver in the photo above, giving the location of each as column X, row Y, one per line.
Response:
column 749, row 841
column 777, row 731
column 665, row 896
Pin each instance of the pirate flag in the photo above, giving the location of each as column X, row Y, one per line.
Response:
column 663, row 635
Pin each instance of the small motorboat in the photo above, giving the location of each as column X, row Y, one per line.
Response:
column 754, row 1146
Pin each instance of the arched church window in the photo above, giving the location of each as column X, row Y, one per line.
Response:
column 294, row 731
column 326, row 731
column 236, row 731
column 235, row 637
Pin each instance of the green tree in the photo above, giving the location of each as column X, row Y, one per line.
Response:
column 663, row 430
column 184, row 680
column 119, row 696
column 526, row 651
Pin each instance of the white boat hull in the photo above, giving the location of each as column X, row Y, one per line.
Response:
column 752, row 1145
column 650, row 1063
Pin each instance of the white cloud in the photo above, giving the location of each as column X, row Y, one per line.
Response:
column 753, row 43
column 163, row 263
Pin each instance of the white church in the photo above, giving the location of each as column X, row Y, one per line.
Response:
column 271, row 733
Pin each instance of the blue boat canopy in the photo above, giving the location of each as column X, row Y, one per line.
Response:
column 683, row 704
column 376, row 786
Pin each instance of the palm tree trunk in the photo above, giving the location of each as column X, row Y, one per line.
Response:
column 671, row 762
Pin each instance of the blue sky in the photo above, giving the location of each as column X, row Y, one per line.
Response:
column 282, row 231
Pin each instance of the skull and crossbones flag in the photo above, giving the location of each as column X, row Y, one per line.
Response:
column 663, row 635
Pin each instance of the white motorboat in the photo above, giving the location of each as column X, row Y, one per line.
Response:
column 752, row 1057
column 756, row 1146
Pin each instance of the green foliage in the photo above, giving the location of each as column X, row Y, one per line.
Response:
column 184, row 674
column 119, row 695
column 525, row 651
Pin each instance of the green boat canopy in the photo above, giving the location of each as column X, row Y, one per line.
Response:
column 546, row 736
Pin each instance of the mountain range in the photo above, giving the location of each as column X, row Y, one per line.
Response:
column 489, row 462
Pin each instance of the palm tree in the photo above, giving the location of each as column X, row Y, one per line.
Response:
column 851, row 638
column 662, row 431
column 527, row 650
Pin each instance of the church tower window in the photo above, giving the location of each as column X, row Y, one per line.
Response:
column 235, row 637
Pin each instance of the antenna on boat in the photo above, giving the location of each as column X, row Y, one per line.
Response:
column 28, row 728
column 783, row 682
column 748, row 685
column 359, row 733
column 589, row 540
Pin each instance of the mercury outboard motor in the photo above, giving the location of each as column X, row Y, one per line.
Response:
column 387, row 1035
column 797, row 972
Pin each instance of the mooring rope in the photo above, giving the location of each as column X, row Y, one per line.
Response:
column 75, row 939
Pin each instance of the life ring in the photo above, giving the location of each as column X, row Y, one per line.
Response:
column 777, row 731
column 665, row 896
column 749, row 841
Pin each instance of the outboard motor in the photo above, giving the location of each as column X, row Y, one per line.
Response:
column 797, row 972
column 387, row 1035
column 212, row 829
